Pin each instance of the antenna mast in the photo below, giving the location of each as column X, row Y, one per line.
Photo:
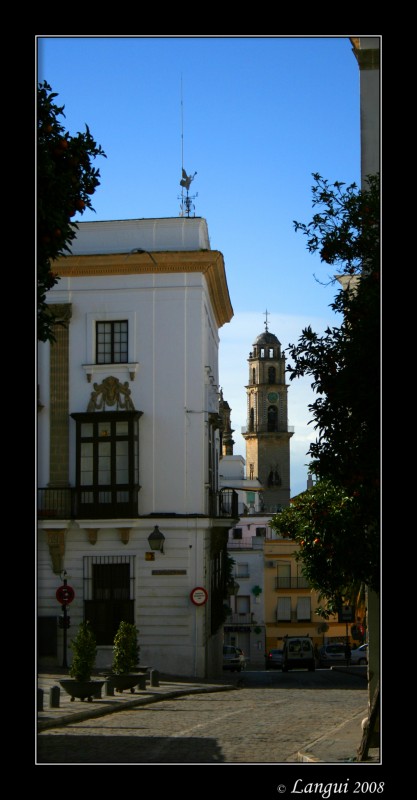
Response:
column 187, row 204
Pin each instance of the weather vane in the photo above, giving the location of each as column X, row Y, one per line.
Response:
column 266, row 321
column 187, row 205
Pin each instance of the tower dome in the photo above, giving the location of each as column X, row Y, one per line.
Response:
column 266, row 338
column 266, row 345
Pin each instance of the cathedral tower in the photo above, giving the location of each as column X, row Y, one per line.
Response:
column 267, row 434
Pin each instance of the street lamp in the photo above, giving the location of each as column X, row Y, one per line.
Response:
column 140, row 250
column 156, row 539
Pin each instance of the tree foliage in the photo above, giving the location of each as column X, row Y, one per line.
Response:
column 125, row 648
column 337, row 553
column 85, row 649
column 344, row 364
column 66, row 180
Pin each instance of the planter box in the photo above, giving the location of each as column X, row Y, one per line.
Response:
column 126, row 681
column 82, row 689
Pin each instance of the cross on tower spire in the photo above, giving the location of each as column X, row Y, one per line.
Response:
column 266, row 321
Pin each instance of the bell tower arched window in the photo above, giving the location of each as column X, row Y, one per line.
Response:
column 272, row 418
column 271, row 374
column 254, row 375
column 251, row 420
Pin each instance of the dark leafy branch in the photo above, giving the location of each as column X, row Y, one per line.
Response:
column 66, row 181
column 344, row 365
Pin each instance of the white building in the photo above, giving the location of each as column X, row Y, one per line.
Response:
column 129, row 443
column 245, row 626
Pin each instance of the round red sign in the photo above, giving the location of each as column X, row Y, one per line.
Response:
column 65, row 595
column 199, row 596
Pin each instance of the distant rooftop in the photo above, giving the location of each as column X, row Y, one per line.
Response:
column 127, row 235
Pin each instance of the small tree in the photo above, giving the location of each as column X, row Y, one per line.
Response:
column 125, row 649
column 66, row 180
column 336, row 553
column 84, row 647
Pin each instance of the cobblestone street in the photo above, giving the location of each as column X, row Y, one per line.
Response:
column 249, row 725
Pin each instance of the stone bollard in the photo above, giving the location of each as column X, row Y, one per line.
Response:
column 154, row 676
column 142, row 682
column 109, row 688
column 54, row 695
column 40, row 699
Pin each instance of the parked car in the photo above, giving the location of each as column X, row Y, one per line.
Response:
column 298, row 653
column 331, row 654
column 233, row 658
column 273, row 659
column 359, row 655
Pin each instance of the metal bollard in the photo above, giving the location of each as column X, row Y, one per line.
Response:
column 109, row 688
column 54, row 695
column 142, row 682
column 154, row 676
column 40, row 699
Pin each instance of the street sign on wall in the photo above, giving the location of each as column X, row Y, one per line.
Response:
column 199, row 596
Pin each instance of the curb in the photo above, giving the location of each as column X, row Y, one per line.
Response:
column 93, row 713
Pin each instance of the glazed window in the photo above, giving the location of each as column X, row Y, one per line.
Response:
column 107, row 464
column 112, row 342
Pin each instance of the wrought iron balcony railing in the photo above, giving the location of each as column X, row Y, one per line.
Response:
column 240, row 619
column 78, row 503
column 223, row 504
column 298, row 582
column 55, row 504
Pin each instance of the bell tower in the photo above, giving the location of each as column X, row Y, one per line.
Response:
column 267, row 434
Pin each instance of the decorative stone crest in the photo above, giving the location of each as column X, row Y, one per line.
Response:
column 92, row 535
column 111, row 393
column 124, row 534
column 56, row 545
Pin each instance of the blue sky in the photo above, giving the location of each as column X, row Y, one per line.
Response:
column 254, row 117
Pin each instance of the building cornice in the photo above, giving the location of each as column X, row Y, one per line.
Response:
column 208, row 262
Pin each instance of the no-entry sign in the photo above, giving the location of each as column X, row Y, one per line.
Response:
column 199, row 596
column 65, row 595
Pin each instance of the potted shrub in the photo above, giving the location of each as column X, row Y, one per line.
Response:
column 84, row 649
column 124, row 673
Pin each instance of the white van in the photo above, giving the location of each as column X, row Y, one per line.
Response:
column 298, row 653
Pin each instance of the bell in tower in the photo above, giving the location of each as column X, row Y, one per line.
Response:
column 267, row 435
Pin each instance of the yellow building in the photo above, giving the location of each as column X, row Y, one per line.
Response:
column 290, row 603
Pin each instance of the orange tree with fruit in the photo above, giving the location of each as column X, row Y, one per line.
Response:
column 337, row 522
column 66, row 180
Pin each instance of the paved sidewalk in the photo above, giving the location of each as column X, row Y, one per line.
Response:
column 70, row 711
